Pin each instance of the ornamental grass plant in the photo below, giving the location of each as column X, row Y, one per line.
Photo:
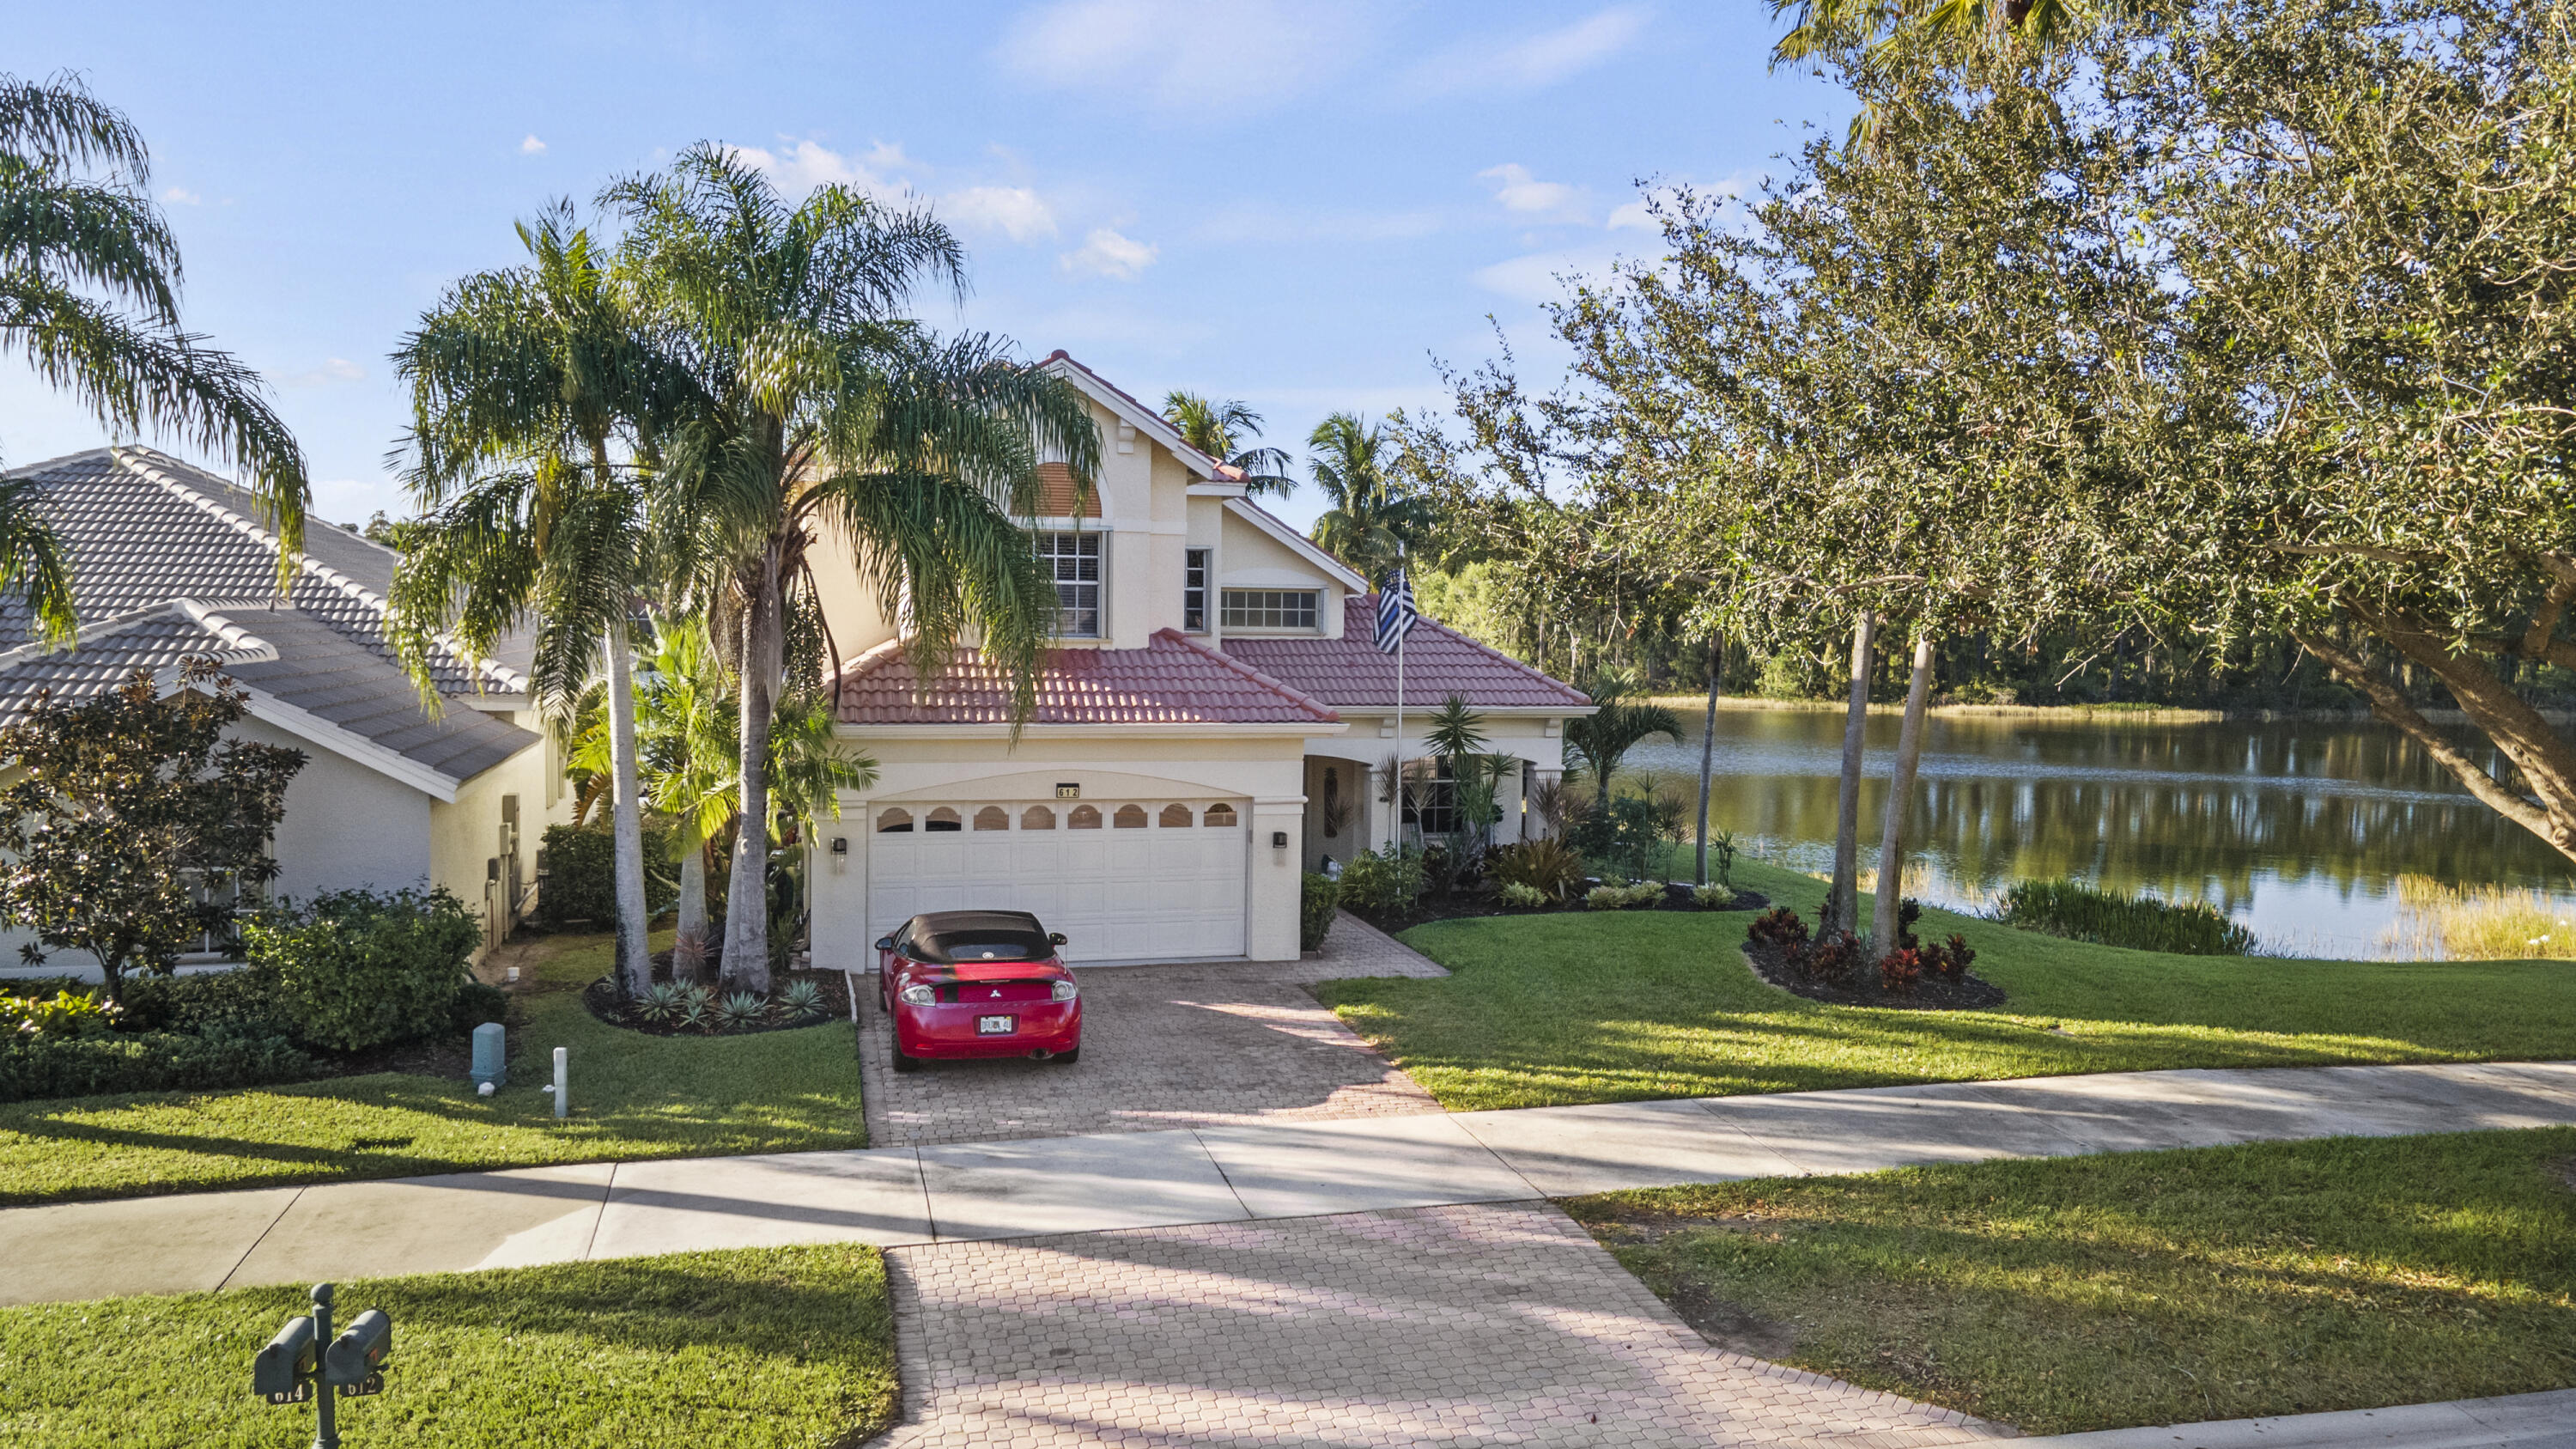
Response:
column 2142, row 923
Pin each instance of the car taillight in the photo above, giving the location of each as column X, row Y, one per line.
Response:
column 1063, row 991
column 919, row 995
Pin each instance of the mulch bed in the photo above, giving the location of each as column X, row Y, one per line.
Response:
column 1969, row 992
column 1484, row 901
column 602, row 999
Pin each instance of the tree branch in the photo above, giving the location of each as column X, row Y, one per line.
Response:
column 2387, row 702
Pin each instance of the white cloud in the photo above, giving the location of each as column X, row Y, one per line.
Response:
column 1538, row 277
column 1535, row 61
column 1108, row 254
column 1521, row 192
column 804, row 165
column 1234, row 55
column 532, row 146
column 181, row 196
column 337, row 369
column 1014, row 211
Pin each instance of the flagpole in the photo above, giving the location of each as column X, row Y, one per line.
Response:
column 1396, row 845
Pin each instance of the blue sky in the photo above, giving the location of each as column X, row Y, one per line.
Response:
column 1298, row 204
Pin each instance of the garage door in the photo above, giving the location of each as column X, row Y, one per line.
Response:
column 1124, row 880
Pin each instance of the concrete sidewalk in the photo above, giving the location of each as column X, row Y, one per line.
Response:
column 1049, row 1186
column 2516, row 1421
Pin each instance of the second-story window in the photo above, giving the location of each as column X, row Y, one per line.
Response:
column 1269, row 608
column 1074, row 560
column 1194, row 587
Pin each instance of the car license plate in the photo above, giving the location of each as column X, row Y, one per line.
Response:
column 995, row 1025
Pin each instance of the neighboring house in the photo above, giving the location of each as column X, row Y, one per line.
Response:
column 169, row 562
column 1216, row 720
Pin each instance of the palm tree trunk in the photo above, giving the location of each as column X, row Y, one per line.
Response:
column 689, row 948
column 1708, row 752
column 746, row 952
column 1842, row 899
column 1883, row 923
column 634, row 951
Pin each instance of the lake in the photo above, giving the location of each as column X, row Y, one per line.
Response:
column 2299, row 829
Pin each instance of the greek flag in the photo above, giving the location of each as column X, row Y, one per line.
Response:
column 1395, row 613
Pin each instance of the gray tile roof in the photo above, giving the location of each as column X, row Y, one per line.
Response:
column 169, row 561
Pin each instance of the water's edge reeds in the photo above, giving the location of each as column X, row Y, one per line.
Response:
column 2080, row 913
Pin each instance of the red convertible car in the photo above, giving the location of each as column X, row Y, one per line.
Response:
column 977, row 984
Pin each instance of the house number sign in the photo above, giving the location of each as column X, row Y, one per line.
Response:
column 1068, row 790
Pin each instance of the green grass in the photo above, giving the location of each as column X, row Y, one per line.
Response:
column 634, row 1096
column 2143, row 1288
column 759, row 1347
column 1600, row 1007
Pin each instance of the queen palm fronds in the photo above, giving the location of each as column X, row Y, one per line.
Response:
column 1219, row 430
column 1373, row 519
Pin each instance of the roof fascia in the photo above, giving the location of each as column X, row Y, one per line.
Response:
column 1185, row 729
column 1133, row 413
column 1297, row 543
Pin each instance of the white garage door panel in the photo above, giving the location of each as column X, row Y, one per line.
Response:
column 1162, row 892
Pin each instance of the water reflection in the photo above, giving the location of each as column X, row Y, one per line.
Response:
column 2298, row 829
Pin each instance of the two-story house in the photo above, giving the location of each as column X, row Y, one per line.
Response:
column 1215, row 719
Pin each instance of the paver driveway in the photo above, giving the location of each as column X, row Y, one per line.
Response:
column 1454, row 1326
column 1164, row 1046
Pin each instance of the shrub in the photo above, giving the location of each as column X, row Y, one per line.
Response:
column 245, row 1002
column 740, row 1009
column 1318, row 897
column 1779, row 926
column 1712, row 897
column 1383, row 884
column 63, row 1014
column 362, row 968
column 1524, row 897
column 2081, row 913
column 1608, row 897
column 801, row 1000
column 1900, row 969
column 476, row 1003
column 1628, row 837
column 1834, row 957
column 33, row 1066
column 581, row 873
column 1548, row 866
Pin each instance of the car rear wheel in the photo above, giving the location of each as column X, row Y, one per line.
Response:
column 1068, row 1058
column 902, row 1063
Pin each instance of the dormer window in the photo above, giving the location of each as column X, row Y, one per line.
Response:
column 1074, row 560
column 1270, row 608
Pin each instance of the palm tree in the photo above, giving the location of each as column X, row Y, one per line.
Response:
column 531, row 390
column 89, row 285
column 688, row 730
column 810, row 397
column 1371, row 522
column 1618, row 723
column 1215, row 429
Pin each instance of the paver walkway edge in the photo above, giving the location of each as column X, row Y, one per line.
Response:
column 1042, row 1186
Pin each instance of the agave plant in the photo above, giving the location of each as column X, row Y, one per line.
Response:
column 661, row 1003
column 695, row 1016
column 741, row 1008
column 801, row 1000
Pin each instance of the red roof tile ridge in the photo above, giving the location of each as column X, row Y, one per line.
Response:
column 1367, row 604
column 1277, row 687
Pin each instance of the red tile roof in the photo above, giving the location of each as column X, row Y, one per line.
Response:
column 1170, row 681
column 1349, row 672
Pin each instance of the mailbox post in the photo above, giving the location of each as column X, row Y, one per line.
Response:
column 305, row 1363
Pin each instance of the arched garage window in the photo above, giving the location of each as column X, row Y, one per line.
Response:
column 1220, row 814
column 992, row 817
column 1084, row 817
column 894, row 822
column 943, row 818
column 1037, row 817
column 1176, row 817
column 1131, row 817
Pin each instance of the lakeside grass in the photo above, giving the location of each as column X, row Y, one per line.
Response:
column 2071, row 1294
column 633, row 1096
column 754, row 1347
column 1602, row 1007
column 2482, row 923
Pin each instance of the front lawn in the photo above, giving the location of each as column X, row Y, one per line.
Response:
column 1608, row 1006
column 633, row 1096
column 757, row 1347
column 2080, row 1293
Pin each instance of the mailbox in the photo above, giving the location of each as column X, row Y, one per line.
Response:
column 280, row 1371
column 359, row 1351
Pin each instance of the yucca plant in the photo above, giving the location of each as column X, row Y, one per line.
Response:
column 661, row 1003
column 740, row 1009
column 801, row 1000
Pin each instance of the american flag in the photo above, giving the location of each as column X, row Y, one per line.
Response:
column 1395, row 612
